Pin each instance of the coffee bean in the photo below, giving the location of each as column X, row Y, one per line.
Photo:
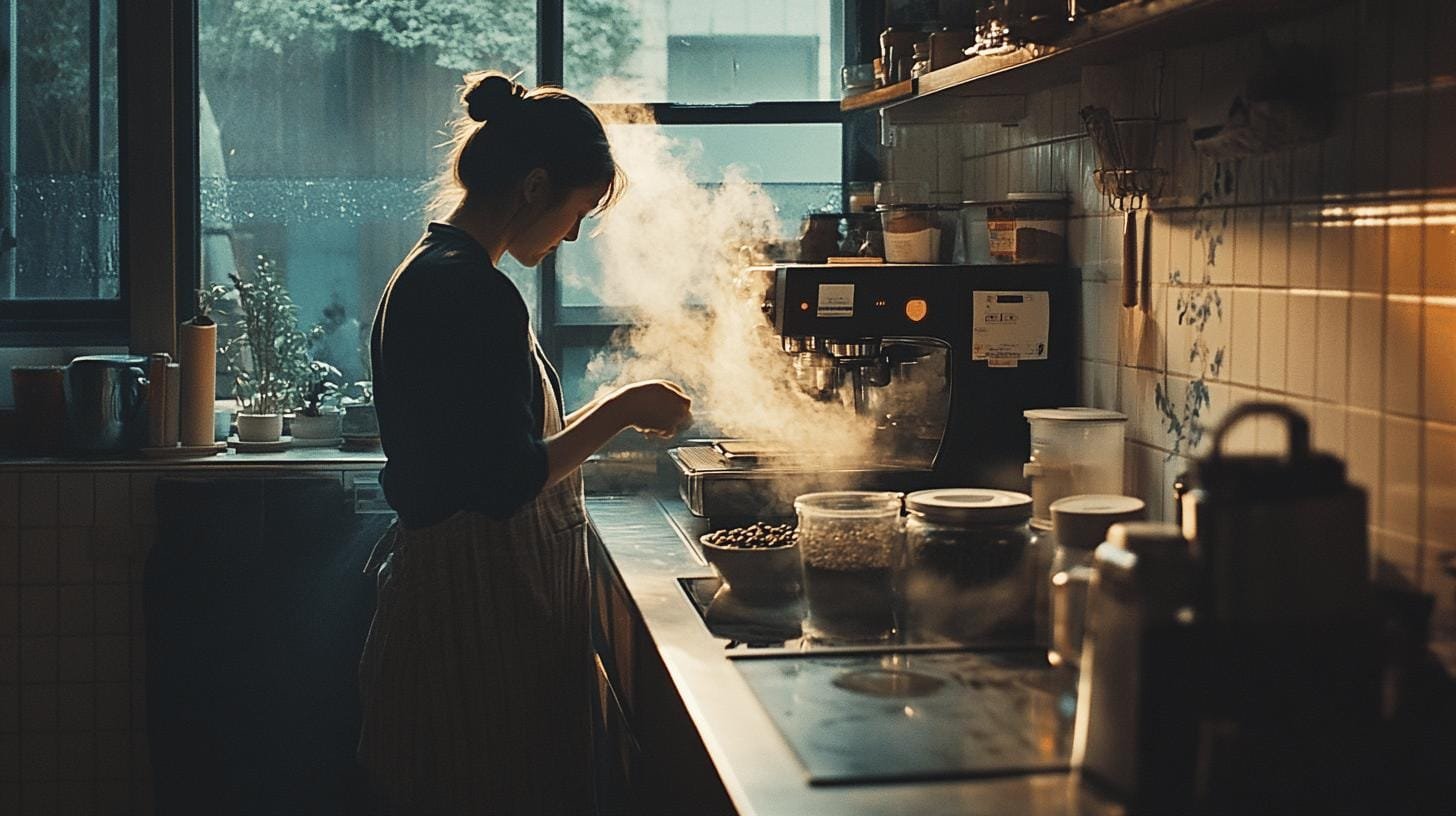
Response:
column 759, row 535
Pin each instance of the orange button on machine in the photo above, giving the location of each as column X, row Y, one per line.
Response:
column 915, row 309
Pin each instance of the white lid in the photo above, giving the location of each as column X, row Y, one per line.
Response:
column 969, row 505
column 1081, row 521
column 1091, row 504
column 1075, row 414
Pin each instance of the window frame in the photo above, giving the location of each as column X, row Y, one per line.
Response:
column 56, row 321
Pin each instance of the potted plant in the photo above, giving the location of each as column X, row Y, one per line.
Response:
column 269, row 357
column 360, row 421
column 321, row 417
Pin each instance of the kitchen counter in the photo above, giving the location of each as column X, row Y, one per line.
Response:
column 646, row 541
column 293, row 458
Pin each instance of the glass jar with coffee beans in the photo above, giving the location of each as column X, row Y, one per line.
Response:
column 849, row 544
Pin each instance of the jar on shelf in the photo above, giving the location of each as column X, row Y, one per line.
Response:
column 1028, row 228
column 920, row 62
column 972, row 567
column 818, row 237
column 1079, row 525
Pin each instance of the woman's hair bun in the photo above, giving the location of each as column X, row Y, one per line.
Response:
column 488, row 96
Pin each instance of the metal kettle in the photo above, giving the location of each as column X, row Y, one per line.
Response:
column 106, row 398
column 1278, row 539
column 1237, row 672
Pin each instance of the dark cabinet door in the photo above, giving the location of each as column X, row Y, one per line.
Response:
column 257, row 609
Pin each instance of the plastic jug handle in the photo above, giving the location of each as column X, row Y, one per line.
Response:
column 1296, row 427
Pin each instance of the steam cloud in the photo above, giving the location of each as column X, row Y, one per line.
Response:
column 672, row 254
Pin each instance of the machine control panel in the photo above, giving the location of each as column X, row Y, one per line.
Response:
column 1009, row 326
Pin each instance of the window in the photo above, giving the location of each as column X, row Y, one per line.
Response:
column 318, row 129
column 59, row 257
column 707, row 52
column 749, row 85
column 317, row 141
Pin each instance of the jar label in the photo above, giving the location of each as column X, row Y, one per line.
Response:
column 1002, row 238
column 1008, row 326
column 1027, row 241
column 911, row 247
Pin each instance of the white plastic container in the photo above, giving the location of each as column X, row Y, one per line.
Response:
column 1073, row 451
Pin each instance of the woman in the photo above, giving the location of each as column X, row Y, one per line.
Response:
column 476, row 677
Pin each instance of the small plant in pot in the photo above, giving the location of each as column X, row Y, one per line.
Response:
column 269, row 357
column 321, row 417
column 360, row 421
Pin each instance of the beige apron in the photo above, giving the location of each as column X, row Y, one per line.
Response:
column 476, row 677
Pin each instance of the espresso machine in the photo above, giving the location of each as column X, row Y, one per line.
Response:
column 942, row 359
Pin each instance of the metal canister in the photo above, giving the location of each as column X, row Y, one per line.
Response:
column 106, row 397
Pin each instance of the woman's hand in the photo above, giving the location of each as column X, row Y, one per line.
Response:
column 654, row 407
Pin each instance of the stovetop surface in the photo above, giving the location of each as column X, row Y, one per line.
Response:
column 895, row 716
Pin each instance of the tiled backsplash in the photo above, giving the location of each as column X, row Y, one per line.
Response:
column 1323, row 277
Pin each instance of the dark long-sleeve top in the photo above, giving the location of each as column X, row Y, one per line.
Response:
column 457, row 386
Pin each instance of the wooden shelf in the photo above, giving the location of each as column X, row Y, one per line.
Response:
column 879, row 97
column 1107, row 36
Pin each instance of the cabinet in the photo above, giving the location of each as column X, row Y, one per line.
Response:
column 650, row 759
column 256, row 612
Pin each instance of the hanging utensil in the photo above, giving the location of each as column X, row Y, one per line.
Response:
column 1130, row 259
column 1126, row 177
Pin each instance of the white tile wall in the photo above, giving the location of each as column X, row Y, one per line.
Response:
column 1335, row 265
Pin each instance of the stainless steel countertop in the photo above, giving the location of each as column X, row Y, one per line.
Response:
column 758, row 768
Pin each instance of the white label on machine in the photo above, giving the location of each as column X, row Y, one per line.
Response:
column 1010, row 326
column 835, row 300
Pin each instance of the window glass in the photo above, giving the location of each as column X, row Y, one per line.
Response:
column 318, row 136
column 59, row 153
column 798, row 166
column 704, row 51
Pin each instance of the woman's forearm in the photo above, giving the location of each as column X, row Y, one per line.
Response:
column 587, row 430
column 583, row 410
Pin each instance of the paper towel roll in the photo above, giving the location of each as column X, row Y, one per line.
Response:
column 197, row 354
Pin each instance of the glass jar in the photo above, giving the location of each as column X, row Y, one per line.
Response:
column 1079, row 525
column 918, row 233
column 849, row 543
column 1029, row 228
column 972, row 568
column 818, row 237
